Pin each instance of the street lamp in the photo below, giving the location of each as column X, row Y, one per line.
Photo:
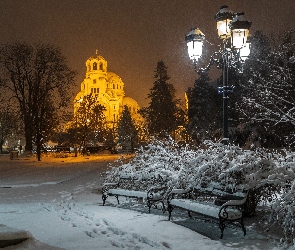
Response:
column 230, row 26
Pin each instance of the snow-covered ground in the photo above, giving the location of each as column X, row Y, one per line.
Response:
column 57, row 204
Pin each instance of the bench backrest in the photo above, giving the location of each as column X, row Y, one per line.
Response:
column 218, row 190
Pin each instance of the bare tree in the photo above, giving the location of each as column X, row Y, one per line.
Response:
column 39, row 78
column 268, row 97
column 9, row 123
column 89, row 120
column 271, row 85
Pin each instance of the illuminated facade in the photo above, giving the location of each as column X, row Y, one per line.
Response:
column 108, row 88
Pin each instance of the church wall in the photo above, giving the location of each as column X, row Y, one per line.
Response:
column 108, row 87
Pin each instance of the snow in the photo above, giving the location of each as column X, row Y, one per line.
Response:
column 130, row 193
column 56, row 204
column 211, row 210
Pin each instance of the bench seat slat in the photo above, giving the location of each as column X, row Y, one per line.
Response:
column 129, row 193
column 197, row 207
column 211, row 202
column 203, row 208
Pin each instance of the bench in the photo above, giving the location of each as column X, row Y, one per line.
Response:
column 131, row 187
column 211, row 202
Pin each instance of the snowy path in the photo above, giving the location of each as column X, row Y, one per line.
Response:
column 68, row 214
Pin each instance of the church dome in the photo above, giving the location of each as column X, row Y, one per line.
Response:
column 130, row 102
column 112, row 77
column 97, row 57
column 108, row 89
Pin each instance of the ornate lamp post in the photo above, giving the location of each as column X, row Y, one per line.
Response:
column 233, row 29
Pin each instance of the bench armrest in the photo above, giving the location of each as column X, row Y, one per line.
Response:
column 106, row 186
column 156, row 192
column 234, row 203
column 232, row 210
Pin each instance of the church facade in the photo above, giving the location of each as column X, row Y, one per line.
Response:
column 108, row 89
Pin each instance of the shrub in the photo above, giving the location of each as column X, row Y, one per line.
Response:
column 266, row 174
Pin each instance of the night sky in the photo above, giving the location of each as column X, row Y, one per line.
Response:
column 132, row 35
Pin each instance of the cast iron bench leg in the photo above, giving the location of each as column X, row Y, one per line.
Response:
column 117, row 196
column 170, row 209
column 221, row 226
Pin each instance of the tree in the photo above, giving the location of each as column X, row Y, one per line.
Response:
column 39, row 78
column 89, row 121
column 162, row 114
column 204, row 117
column 269, row 86
column 9, row 124
column 127, row 132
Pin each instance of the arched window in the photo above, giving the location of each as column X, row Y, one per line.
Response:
column 100, row 66
column 95, row 66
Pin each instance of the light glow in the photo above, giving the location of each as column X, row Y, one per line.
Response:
column 194, row 41
column 195, row 49
column 245, row 52
column 239, row 38
column 223, row 28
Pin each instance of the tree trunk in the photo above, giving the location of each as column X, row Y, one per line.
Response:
column 1, row 144
column 28, row 135
column 38, row 144
column 39, row 153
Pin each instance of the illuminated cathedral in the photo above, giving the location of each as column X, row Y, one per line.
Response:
column 108, row 88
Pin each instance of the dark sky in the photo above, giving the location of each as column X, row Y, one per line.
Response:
column 132, row 35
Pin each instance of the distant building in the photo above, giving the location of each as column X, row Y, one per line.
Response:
column 108, row 87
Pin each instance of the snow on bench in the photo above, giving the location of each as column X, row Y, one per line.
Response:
column 211, row 202
column 128, row 193
column 129, row 186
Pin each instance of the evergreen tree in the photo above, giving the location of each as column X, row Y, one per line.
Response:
column 127, row 132
column 162, row 114
column 204, row 117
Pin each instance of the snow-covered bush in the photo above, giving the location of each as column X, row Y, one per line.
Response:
column 267, row 174
column 159, row 160
column 283, row 209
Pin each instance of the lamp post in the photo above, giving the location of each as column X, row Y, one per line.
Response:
column 233, row 29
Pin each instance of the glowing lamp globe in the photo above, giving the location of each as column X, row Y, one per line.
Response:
column 239, row 31
column 194, row 41
column 223, row 19
column 245, row 51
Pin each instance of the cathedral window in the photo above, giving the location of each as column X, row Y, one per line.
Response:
column 94, row 90
column 94, row 81
column 113, row 86
column 95, row 66
column 100, row 66
column 91, row 90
